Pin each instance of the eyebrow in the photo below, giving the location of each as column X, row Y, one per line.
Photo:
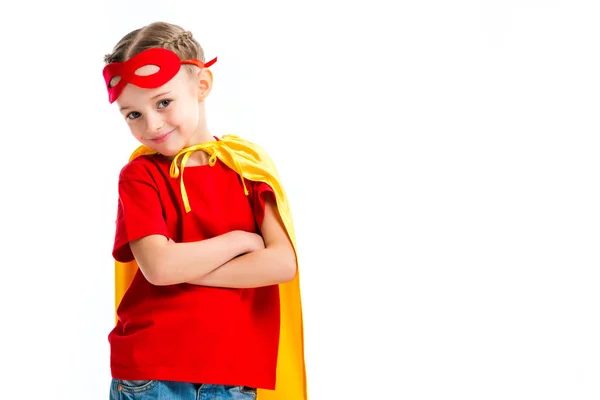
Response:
column 161, row 94
column 153, row 97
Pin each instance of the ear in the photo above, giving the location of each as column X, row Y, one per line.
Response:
column 205, row 82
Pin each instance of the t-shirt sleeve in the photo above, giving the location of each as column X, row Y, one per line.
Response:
column 261, row 192
column 139, row 211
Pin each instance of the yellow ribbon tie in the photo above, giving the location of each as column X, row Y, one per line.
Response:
column 210, row 147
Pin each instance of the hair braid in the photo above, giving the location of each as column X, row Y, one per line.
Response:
column 157, row 34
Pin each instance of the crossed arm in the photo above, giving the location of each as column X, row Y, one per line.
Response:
column 235, row 259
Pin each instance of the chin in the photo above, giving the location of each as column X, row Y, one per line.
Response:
column 169, row 151
column 166, row 149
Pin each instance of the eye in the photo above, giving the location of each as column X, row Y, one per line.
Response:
column 133, row 115
column 163, row 103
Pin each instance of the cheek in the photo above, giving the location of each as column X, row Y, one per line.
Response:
column 194, row 112
column 186, row 116
column 136, row 130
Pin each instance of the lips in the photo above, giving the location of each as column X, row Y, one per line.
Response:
column 162, row 138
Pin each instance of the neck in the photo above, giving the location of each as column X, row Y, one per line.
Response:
column 199, row 157
column 201, row 135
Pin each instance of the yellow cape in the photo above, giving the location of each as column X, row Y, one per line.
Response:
column 250, row 162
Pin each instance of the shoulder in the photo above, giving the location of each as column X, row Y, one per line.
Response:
column 238, row 143
column 249, row 151
column 140, row 168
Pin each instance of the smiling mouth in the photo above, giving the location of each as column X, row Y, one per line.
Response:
column 162, row 138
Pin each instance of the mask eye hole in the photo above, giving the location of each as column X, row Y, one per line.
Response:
column 147, row 70
column 114, row 81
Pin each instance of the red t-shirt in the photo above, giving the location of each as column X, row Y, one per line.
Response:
column 187, row 332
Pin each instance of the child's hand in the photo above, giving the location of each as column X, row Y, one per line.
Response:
column 254, row 241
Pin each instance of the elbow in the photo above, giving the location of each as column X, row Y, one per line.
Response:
column 289, row 274
column 156, row 272
column 289, row 267
column 153, row 255
column 156, row 279
column 161, row 275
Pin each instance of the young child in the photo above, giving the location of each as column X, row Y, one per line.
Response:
column 206, row 282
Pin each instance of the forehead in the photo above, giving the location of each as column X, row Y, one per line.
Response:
column 133, row 94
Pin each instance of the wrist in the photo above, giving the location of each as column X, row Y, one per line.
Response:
column 240, row 240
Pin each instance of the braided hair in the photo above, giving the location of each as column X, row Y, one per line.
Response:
column 158, row 34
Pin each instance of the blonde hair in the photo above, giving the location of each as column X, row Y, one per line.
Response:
column 158, row 34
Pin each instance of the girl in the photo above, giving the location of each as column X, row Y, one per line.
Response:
column 207, row 290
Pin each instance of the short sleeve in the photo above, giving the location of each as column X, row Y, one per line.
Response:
column 261, row 192
column 139, row 212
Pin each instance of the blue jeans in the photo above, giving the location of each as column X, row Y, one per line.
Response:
column 170, row 390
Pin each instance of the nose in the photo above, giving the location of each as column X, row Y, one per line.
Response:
column 154, row 122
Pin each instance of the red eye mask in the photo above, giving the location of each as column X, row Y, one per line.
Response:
column 167, row 61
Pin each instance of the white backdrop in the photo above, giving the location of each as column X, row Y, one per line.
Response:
column 441, row 159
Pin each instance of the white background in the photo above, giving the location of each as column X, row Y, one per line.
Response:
column 441, row 158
